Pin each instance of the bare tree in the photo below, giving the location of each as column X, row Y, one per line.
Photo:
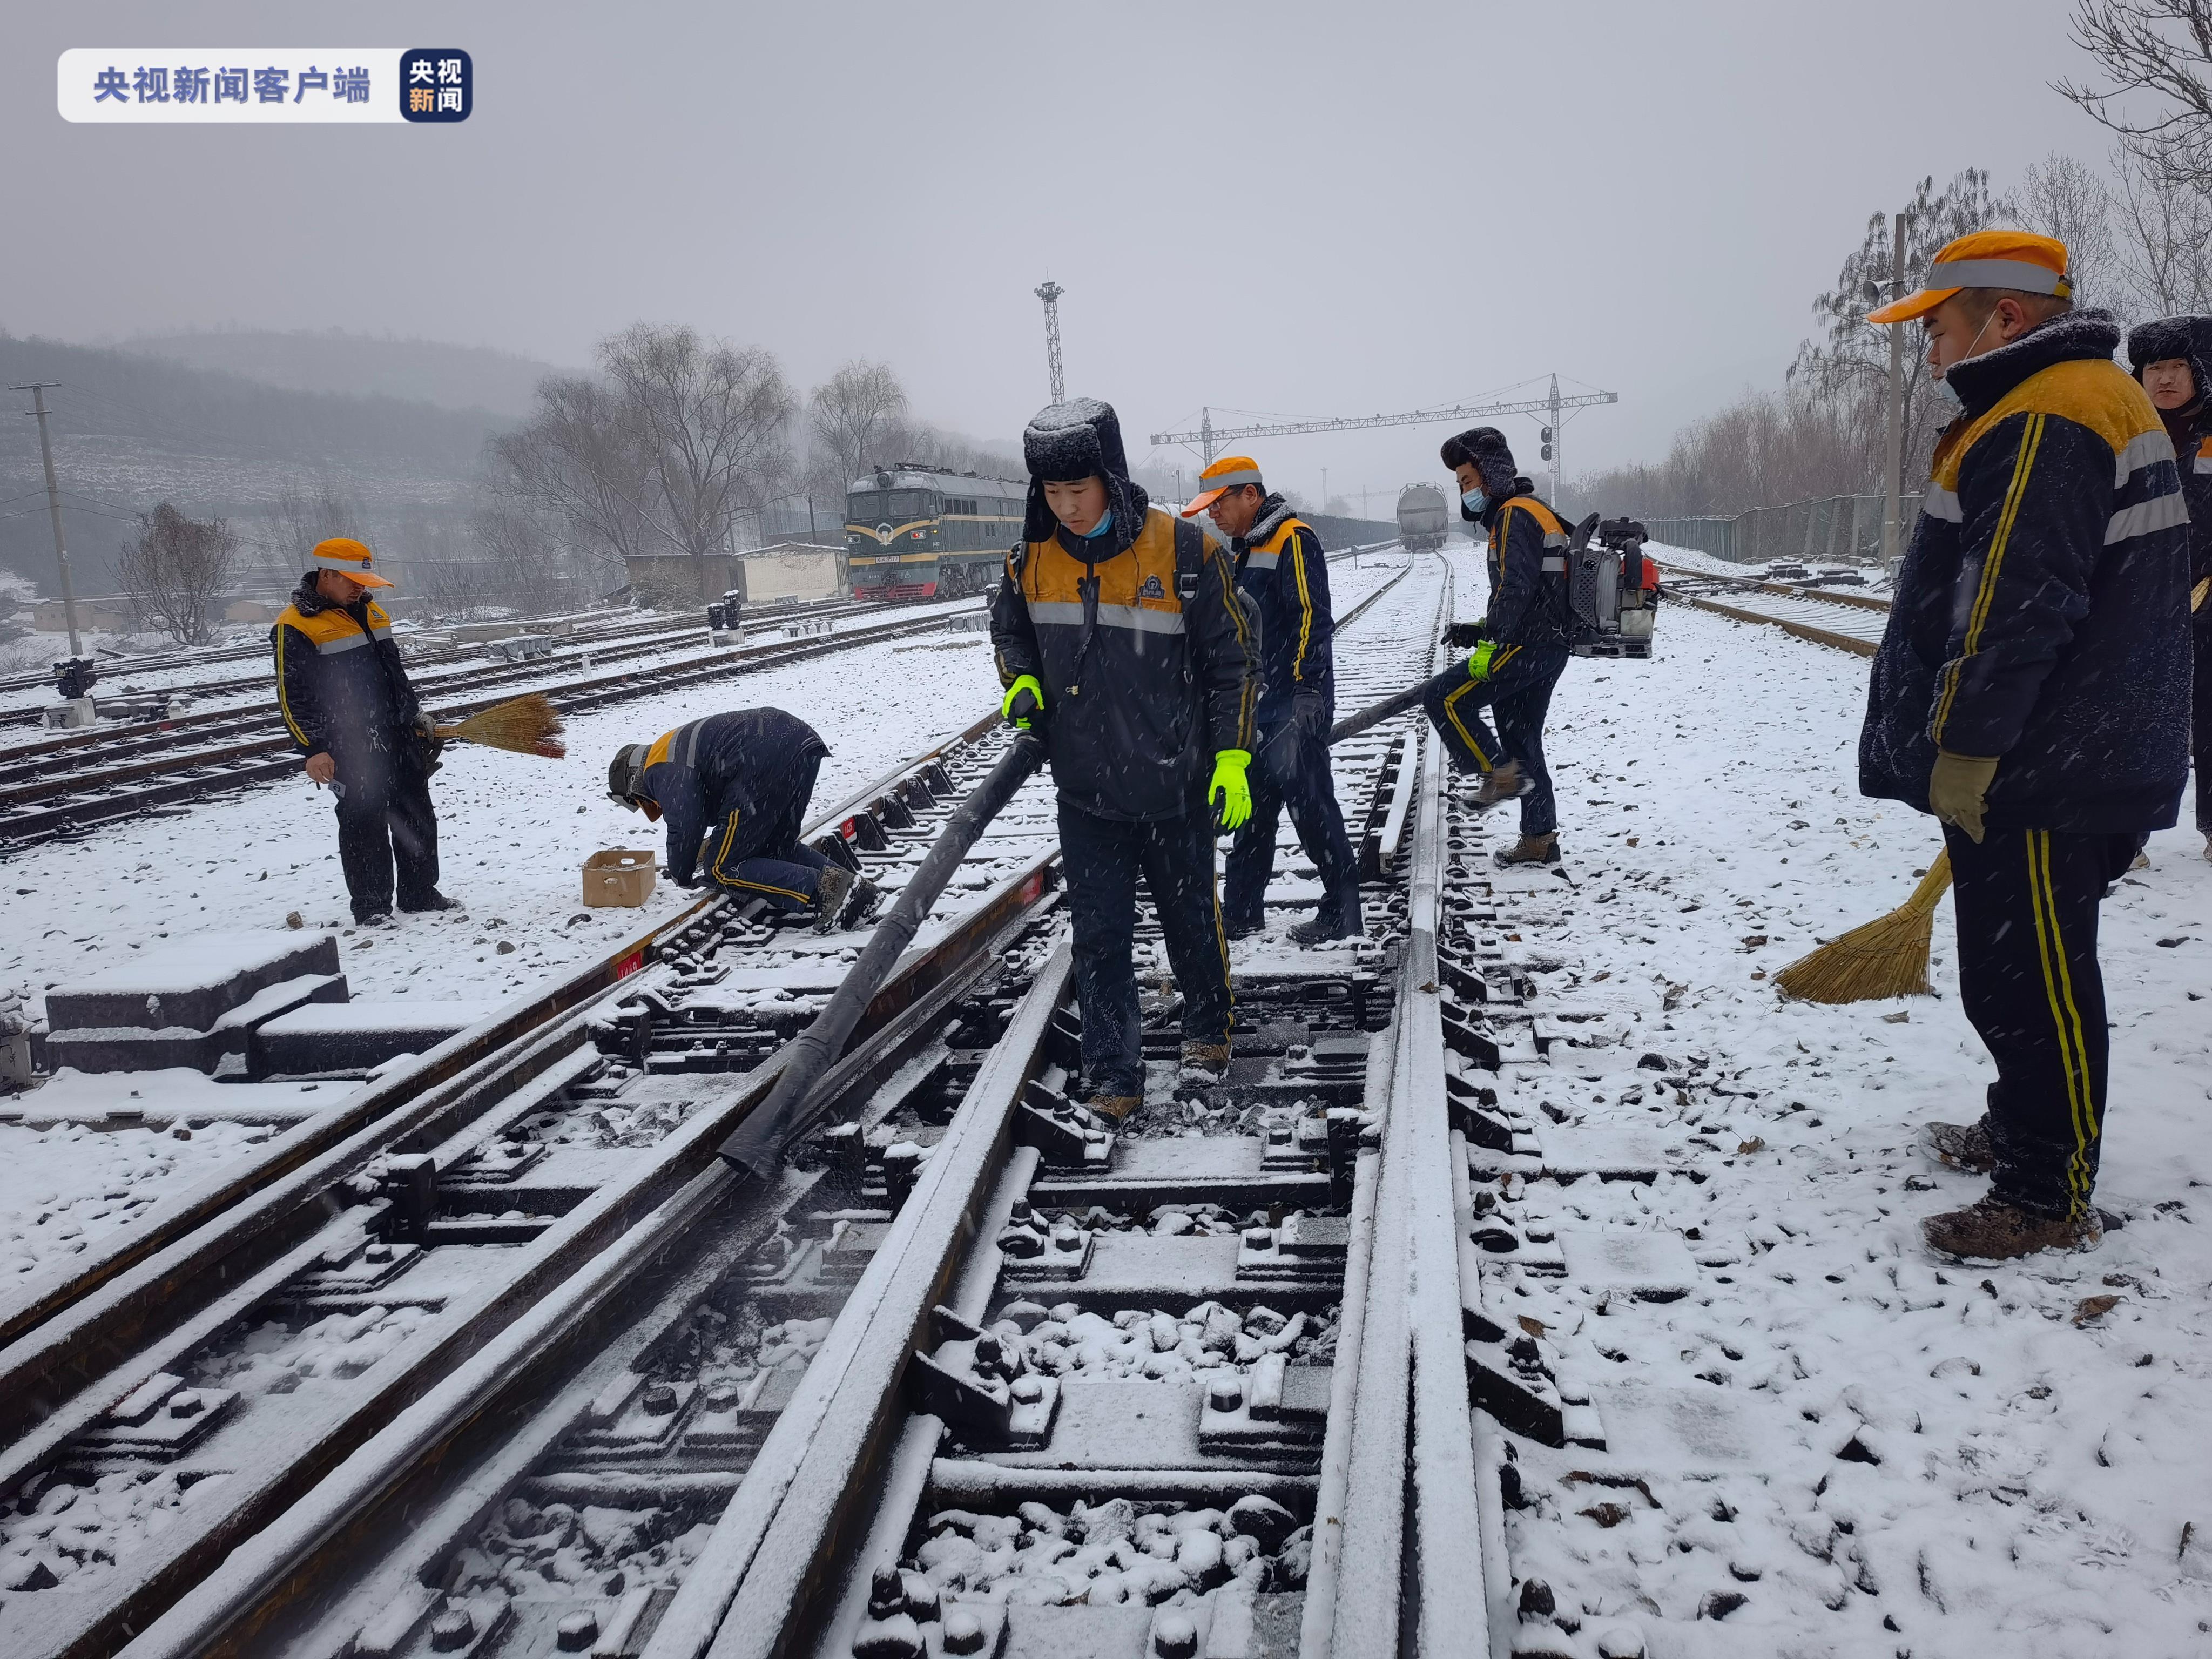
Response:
column 2064, row 198
column 310, row 510
column 2154, row 57
column 175, row 571
column 1848, row 368
column 2165, row 233
column 579, row 473
column 710, row 419
column 854, row 419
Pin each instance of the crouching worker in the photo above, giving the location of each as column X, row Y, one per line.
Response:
column 1520, row 647
column 734, row 789
column 1118, row 636
column 347, row 703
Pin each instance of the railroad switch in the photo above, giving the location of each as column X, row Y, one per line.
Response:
column 982, row 1389
column 410, row 1184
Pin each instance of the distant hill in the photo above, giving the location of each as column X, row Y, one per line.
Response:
column 131, row 430
column 306, row 360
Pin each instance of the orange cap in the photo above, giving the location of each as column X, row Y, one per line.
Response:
column 349, row 558
column 1229, row 473
column 1988, row 258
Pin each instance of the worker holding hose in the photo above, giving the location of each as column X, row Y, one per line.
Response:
column 1119, row 637
column 2171, row 357
column 734, row 788
column 1519, row 649
column 346, row 700
column 1283, row 575
column 2031, row 692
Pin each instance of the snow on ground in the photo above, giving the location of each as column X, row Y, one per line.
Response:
column 2044, row 1476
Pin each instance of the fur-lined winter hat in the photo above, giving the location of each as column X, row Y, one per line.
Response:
column 1080, row 439
column 2187, row 337
column 1485, row 447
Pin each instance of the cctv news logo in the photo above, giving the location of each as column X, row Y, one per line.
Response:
column 432, row 85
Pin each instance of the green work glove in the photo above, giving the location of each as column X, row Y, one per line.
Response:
column 1229, row 794
column 1025, row 700
column 1956, row 788
column 1477, row 665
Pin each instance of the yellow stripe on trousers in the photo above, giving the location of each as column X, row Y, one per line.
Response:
column 730, row 834
column 2058, row 991
column 1466, row 736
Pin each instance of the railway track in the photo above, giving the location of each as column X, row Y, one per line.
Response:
column 66, row 792
column 475, row 1203
column 1835, row 618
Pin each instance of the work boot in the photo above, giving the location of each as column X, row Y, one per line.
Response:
column 832, row 891
column 1961, row 1145
column 860, row 904
column 1114, row 1108
column 1239, row 927
column 1992, row 1230
column 375, row 916
column 1529, row 849
column 1203, row 1064
column 433, row 900
column 2208, row 846
column 1336, row 919
column 1504, row 783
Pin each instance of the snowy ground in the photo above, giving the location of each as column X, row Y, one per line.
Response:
column 2044, row 1476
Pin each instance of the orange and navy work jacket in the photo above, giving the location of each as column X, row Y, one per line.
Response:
column 2041, row 611
column 340, row 684
column 1284, row 575
column 1145, row 655
column 1527, row 564
column 742, row 778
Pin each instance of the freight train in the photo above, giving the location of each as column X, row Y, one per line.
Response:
column 1424, row 518
column 916, row 532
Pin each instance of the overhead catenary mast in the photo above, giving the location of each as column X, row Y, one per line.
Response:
column 1050, row 293
column 1209, row 437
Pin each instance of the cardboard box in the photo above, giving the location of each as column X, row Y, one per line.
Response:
column 620, row 876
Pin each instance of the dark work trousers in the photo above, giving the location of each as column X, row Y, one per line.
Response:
column 1290, row 768
column 1519, row 691
column 759, row 851
column 2027, row 906
column 386, row 819
column 2201, row 723
column 1102, row 858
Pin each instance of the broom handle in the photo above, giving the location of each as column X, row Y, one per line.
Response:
column 1932, row 885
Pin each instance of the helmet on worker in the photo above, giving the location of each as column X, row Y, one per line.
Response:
column 626, row 781
column 1229, row 493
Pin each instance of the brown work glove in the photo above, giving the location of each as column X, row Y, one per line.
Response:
column 1955, row 789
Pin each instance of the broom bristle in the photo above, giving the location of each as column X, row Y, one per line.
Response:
column 1884, row 957
column 527, row 725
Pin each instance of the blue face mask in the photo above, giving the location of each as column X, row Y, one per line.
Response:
column 1474, row 500
column 1103, row 524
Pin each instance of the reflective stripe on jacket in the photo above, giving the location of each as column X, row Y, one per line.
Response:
column 340, row 683
column 1528, row 566
column 1285, row 573
column 1143, row 686
column 2040, row 611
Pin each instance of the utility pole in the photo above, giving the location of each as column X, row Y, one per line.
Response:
column 38, row 391
column 1050, row 293
column 1552, row 440
column 1892, row 464
column 1205, row 436
column 1324, row 489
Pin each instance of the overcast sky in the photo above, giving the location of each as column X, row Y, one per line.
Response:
column 1304, row 208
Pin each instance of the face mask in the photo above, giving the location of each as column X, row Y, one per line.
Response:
column 1473, row 500
column 1103, row 524
column 1951, row 400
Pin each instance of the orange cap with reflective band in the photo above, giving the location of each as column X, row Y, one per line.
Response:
column 349, row 558
column 1988, row 258
column 1229, row 473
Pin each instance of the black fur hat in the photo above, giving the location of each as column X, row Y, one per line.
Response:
column 2189, row 337
column 1080, row 439
column 1485, row 447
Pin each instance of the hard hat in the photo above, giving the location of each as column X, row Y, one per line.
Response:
column 349, row 558
column 1229, row 473
column 1988, row 258
column 626, row 781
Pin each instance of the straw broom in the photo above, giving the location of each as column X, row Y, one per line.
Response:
column 1887, row 958
column 528, row 725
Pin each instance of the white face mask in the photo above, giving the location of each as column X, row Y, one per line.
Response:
column 1943, row 387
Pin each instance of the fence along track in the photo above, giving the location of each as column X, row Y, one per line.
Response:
column 502, row 1396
